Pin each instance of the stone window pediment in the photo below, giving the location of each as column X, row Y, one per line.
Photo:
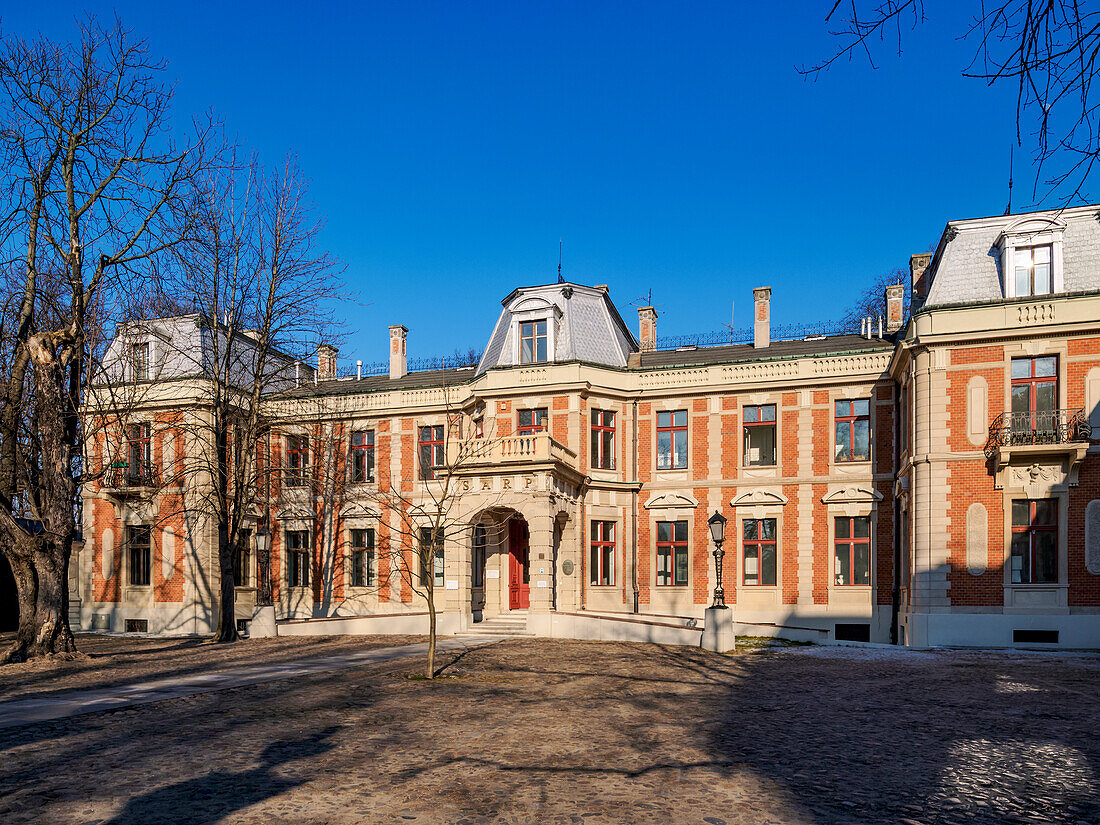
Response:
column 671, row 500
column 855, row 494
column 757, row 498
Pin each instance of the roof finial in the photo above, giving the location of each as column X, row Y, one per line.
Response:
column 1011, row 148
column 561, row 280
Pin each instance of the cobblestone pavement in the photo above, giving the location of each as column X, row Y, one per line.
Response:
column 582, row 732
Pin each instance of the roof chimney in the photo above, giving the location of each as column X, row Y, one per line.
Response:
column 647, row 328
column 326, row 362
column 399, row 359
column 918, row 265
column 895, row 300
column 761, row 333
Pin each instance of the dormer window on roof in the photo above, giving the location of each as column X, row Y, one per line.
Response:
column 1031, row 257
column 532, row 342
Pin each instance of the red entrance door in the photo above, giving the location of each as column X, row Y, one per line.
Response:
column 519, row 574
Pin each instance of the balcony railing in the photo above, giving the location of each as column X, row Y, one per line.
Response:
column 137, row 477
column 514, row 449
column 1037, row 428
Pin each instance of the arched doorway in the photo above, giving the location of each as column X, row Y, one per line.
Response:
column 519, row 567
column 9, row 598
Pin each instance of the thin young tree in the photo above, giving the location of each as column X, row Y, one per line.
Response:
column 1046, row 52
column 255, row 273
column 92, row 176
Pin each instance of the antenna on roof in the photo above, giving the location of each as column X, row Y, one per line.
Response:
column 561, row 280
column 730, row 325
column 1011, row 148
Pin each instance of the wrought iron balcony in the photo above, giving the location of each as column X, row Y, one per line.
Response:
column 136, row 479
column 1037, row 429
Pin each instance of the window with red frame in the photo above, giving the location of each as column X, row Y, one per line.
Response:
column 297, row 460
column 139, row 453
column 431, row 451
column 361, row 460
column 853, row 430
column 672, row 553
column 672, row 440
column 1034, row 541
column 603, row 439
column 1034, row 394
column 760, row 436
column 531, row 421
column 852, row 549
column 758, row 551
column 603, row 553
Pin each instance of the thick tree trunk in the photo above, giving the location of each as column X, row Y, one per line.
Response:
column 227, row 617
column 41, row 580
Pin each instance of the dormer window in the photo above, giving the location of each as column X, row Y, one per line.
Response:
column 532, row 342
column 139, row 361
column 1033, row 271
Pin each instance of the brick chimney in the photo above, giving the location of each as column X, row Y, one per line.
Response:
column 895, row 300
column 647, row 328
column 326, row 362
column 918, row 265
column 399, row 358
column 761, row 334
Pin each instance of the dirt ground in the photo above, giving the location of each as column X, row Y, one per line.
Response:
column 557, row 731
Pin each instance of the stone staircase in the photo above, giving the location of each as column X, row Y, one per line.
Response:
column 506, row 624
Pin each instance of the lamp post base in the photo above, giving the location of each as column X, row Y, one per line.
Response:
column 718, row 630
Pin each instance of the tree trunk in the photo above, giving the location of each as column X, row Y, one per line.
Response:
column 430, row 593
column 26, row 589
column 227, row 614
column 42, row 582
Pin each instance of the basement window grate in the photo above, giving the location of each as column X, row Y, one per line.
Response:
column 852, row 632
column 137, row 625
column 1033, row 637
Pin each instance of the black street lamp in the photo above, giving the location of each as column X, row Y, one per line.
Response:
column 717, row 524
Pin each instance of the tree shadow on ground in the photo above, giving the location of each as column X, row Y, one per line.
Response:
column 214, row 795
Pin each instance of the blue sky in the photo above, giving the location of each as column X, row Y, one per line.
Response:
column 671, row 147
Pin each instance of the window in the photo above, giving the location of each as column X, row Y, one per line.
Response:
column 1035, row 395
column 431, row 451
column 531, row 421
column 241, row 558
column 139, row 454
column 852, row 548
column 758, row 545
column 672, row 440
column 1035, row 541
column 853, row 430
column 603, row 439
column 603, row 553
column 532, row 342
column 362, row 558
column 672, row 553
column 140, row 552
column 297, row 460
column 361, row 460
column 479, row 556
column 760, row 436
column 1033, row 270
column 431, row 556
column 139, row 361
column 297, row 558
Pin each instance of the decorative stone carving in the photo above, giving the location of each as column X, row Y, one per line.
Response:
column 751, row 498
column 671, row 500
column 854, row 494
column 1092, row 537
column 977, row 538
column 1038, row 479
column 359, row 511
column 294, row 512
column 167, row 554
column 977, row 423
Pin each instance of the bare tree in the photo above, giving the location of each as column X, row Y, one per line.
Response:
column 92, row 177
column 1047, row 51
column 871, row 303
column 263, row 289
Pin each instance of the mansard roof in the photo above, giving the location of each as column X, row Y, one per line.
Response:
column 586, row 326
column 967, row 266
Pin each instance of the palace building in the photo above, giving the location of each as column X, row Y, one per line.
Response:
column 933, row 480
